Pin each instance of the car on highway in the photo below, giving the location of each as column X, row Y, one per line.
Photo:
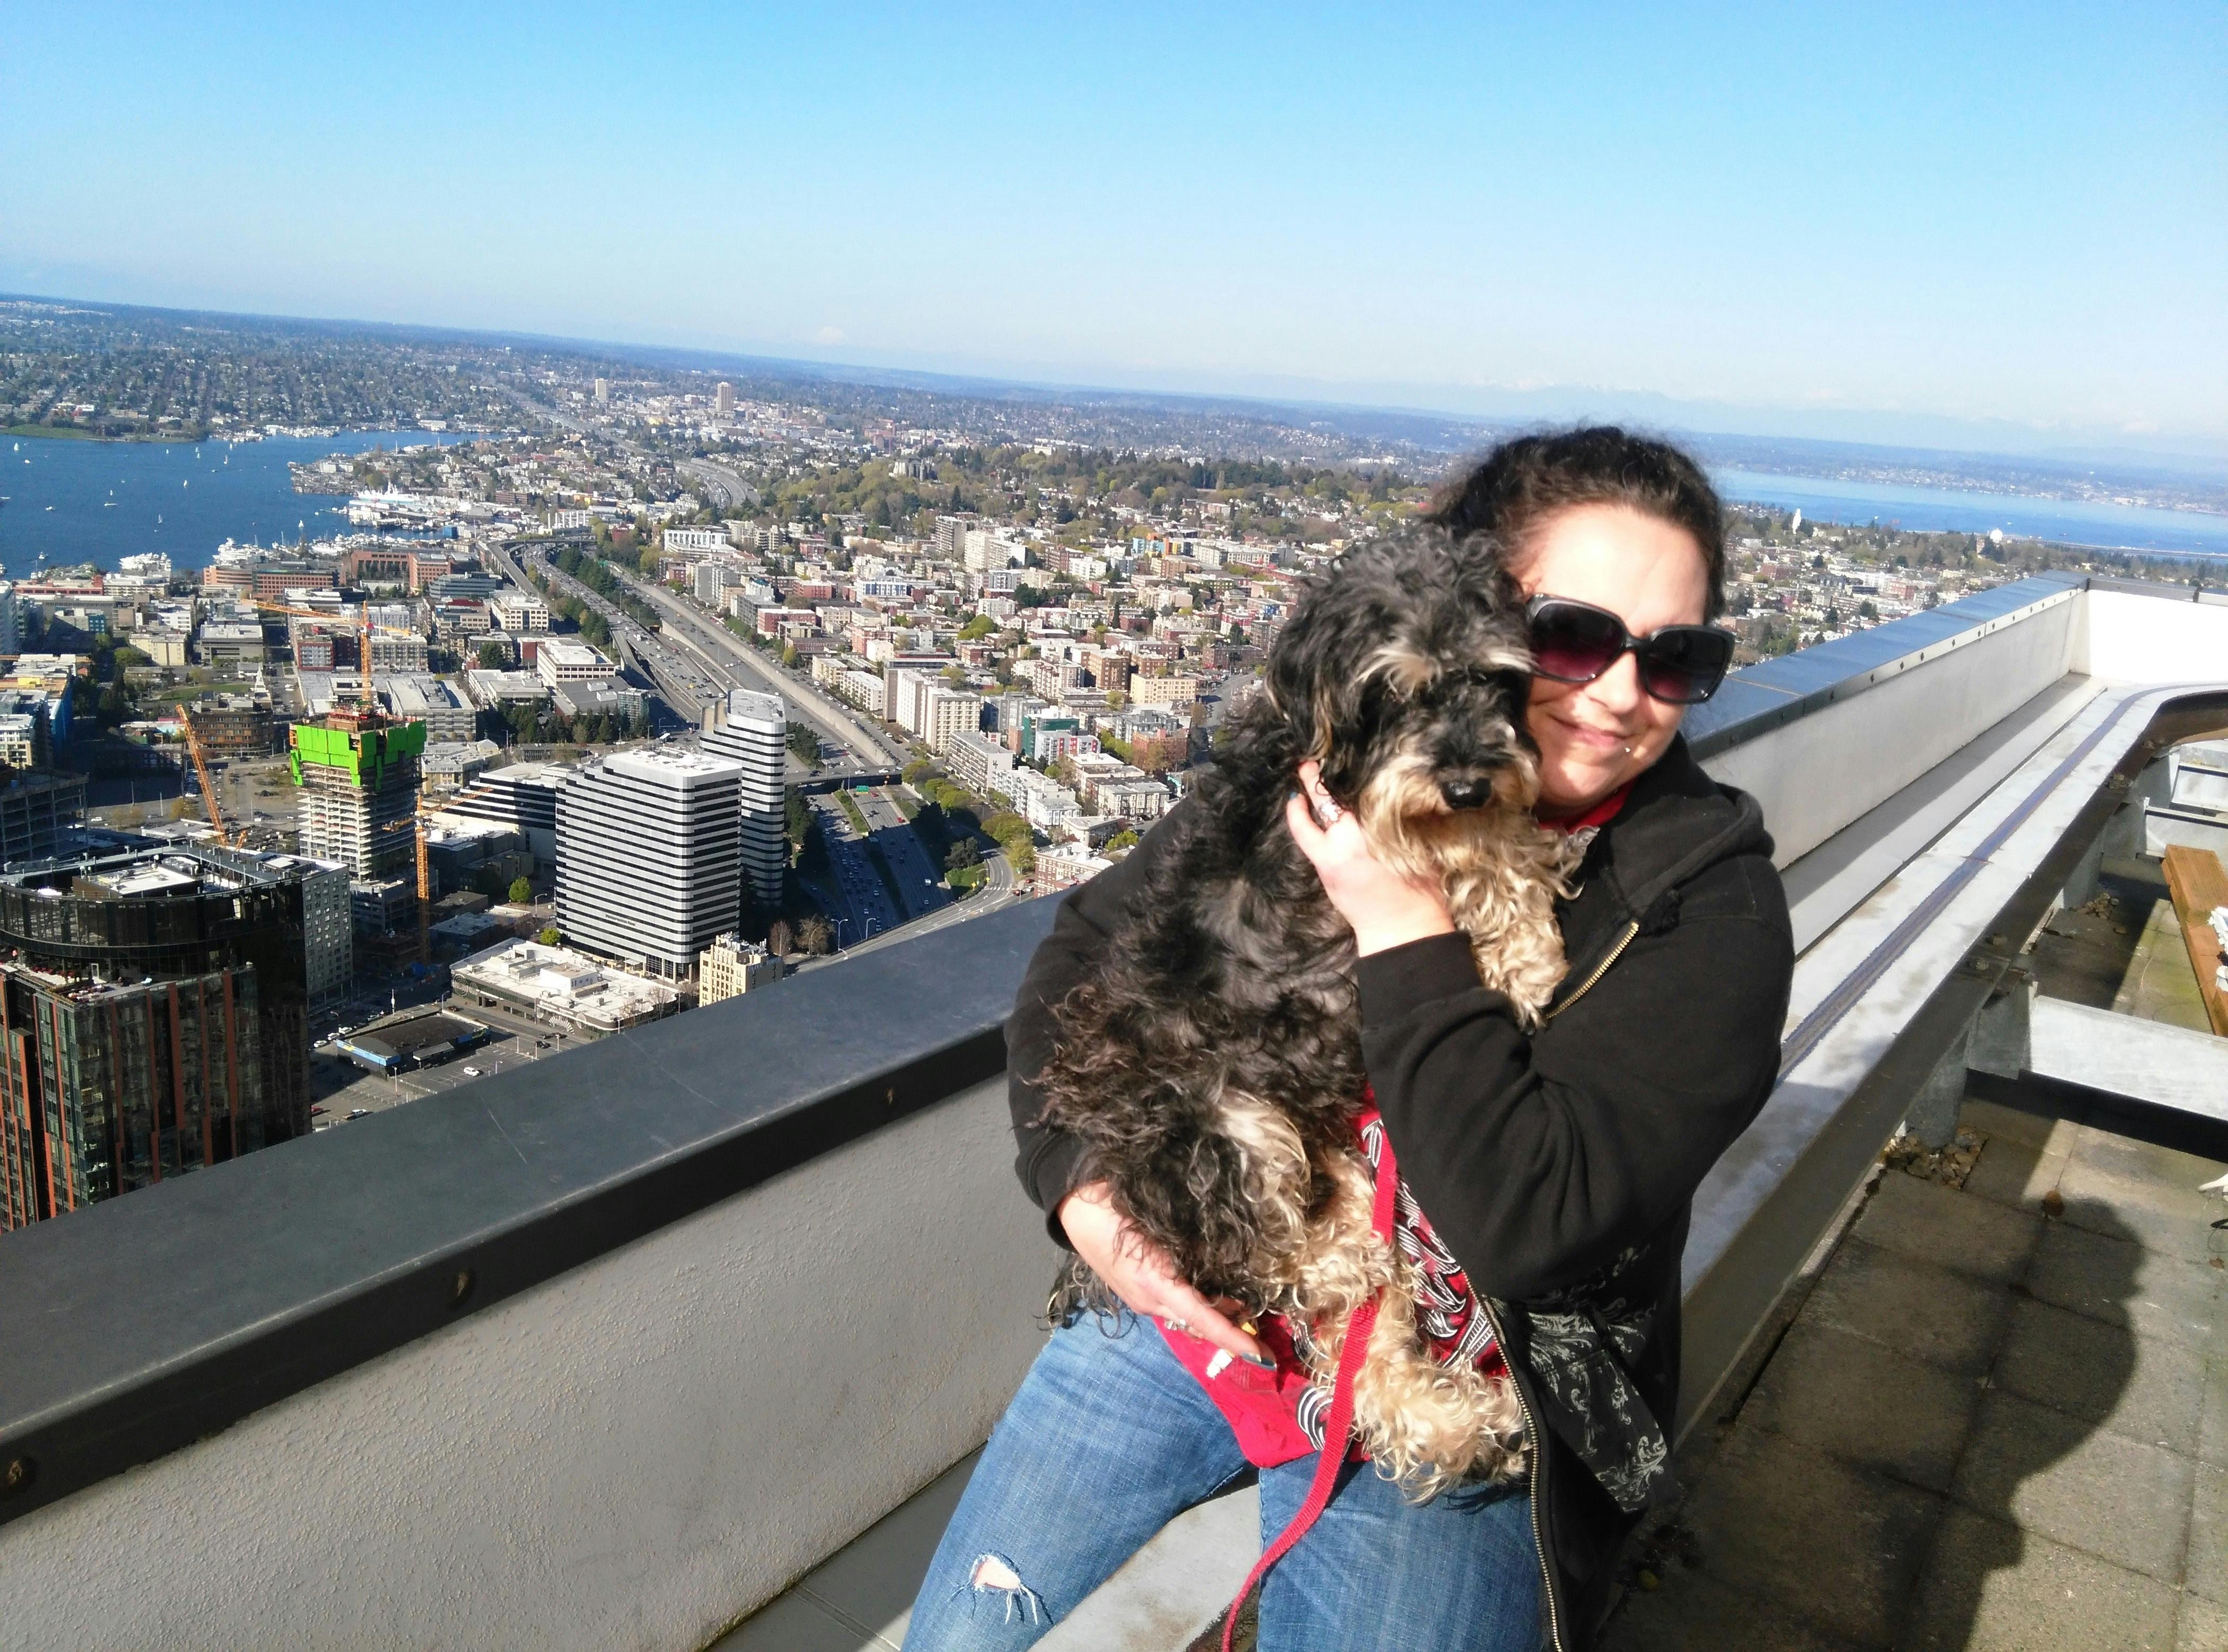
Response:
column 471, row 1072
column 359, row 1112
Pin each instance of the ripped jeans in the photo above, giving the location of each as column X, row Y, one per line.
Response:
column 1110, row 1438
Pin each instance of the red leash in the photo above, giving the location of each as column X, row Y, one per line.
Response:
column 1338, row 1422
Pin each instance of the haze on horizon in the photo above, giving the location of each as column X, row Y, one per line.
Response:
column 2007, row 228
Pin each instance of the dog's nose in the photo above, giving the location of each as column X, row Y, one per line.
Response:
column 1464, row 794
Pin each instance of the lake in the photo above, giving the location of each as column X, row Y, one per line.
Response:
column 2071, row 522
column 95, row 501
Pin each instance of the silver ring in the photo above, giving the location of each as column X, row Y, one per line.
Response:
column 1328, row 813
column 1180, row 1325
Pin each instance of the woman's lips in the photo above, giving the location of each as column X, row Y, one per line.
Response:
column 1598, row 740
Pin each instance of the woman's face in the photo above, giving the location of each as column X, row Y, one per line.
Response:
column 1594, row 737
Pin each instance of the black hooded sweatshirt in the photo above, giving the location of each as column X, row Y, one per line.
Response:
column 1559, row 1167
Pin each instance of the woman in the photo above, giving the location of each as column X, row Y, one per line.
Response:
column 1558, row 1168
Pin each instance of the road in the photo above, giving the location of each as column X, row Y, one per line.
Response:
column 997, row 893
column 867, row 906
column 920, row 880
column 726, row 487
column 711, row 640
column 686, row 684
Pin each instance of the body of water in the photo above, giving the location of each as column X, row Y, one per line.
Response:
column 1936, row 510
column 95, row 501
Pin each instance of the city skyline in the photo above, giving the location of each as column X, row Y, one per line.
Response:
column 1890, row 228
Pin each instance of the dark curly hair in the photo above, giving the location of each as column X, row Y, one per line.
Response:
column 1513, row 489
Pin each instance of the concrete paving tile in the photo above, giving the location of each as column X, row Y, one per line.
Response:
column 795, row 1622
column 2208, row 1573
column 2013, row 1172
column 2159, row 1216
column 2113, row 1278
column 2203, row 1626
column 2147, row 1389
column 1693, row 1611
column 1950, row 1229
column 2212, row 1430
column 1992, row 1588
column 1866, row 1404
column 1949, row 1318
column 2077, row 1484
column 2009, row 1124
column 1838, row 1546
column 871, row 1581
column 2132, row 1160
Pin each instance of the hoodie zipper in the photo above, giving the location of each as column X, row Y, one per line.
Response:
column 1531, row 1470
column 1616, row 953
column 1523, row 1405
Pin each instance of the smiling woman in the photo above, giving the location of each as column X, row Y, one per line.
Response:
column 1539, row 1168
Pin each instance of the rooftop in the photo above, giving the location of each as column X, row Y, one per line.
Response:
column 548, row 1315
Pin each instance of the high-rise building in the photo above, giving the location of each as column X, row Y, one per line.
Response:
column 327, row 930
column 41, row 814
column 153, row 1021
column 751, row 730
column 948, row 714
column 358, row 772
column 603, row 391
column 522, row 795
column 724, row 399
column 649, row 857
column 732, row 966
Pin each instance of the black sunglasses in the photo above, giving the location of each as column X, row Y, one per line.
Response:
column 1576, row 642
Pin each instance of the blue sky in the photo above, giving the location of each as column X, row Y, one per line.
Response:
column 1768, row 215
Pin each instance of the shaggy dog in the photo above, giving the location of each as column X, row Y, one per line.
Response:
column 1211, row 1061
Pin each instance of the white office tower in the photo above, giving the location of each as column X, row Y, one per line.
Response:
column 648, row 858
column 603, row 391
column 752, row 730
column 724, row 399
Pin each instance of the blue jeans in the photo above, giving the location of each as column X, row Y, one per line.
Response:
column 1110, row 1438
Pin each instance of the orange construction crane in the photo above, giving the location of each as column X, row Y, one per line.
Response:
column 425, row 888
column 208, row 786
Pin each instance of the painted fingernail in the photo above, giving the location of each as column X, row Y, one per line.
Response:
column 1256, row 1360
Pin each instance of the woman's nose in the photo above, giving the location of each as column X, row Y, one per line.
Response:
column 1618, row 688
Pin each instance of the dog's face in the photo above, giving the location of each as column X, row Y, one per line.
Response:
column 1405, row 673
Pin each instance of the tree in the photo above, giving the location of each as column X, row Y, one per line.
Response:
column 1121, row 843
column 805, row 744
column 917, row 770
column 521, row 893
column 965, row 853
column 548, row 937
column 491, row 657
column 814, row 936
column 980, row 625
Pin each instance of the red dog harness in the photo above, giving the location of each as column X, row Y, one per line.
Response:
column 1272, row 1411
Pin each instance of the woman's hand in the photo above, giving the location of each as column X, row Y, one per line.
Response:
column 1140, row 1274
column 1386, row 909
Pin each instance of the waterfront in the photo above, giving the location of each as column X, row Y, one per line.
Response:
column 2069, row 522
column 96, row 502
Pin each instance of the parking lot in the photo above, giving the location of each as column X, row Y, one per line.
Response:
column 339, row 1088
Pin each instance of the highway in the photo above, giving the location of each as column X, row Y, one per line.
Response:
column 727, row 487
column 711, row 640
column 997, row 893
column 686, row 684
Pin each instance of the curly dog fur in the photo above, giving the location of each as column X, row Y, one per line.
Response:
column 1212, row 1063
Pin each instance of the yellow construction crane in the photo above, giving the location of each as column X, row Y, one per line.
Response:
column 363, row 629
column 363, row 679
